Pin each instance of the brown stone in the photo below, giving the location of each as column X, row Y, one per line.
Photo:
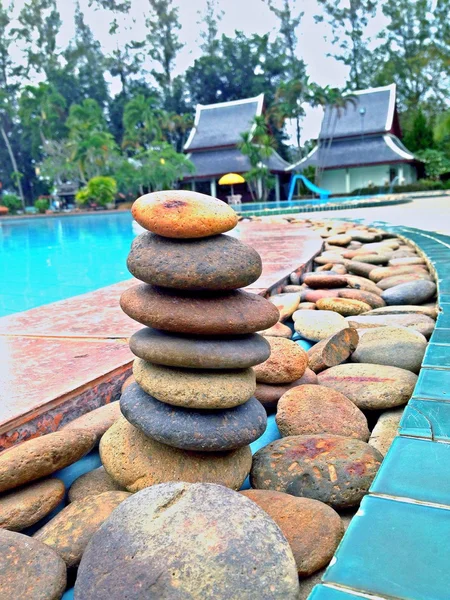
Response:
column 330, row 468
column 29, row 570
column 407, row 260
column 369, row 386
column 91, row 484
column 26, row 506
column 312, row 296
column 183, row 214
column 42, row 456
column 332, row 351
column 286, row 304
column 339, row 240
column 360, row 268
column 309, row 409
column 383, row 272
column 361, row 283
column 373, row 300
column 312, row 528
column 287, row 362
column 269, row 394
column 318, row 281
column 293, row 289
column 343, row 306
column 388, row 282
column 277, row 330
column 307, row 306
column 128, row 381
column 429, row 311
column 318, row 325
column 421, row 323
column 374, row 259
column 135, row 461
column 71, row 530
column 98, row 420
column 386, row 429
column 201, row 314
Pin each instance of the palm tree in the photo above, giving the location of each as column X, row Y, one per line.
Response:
column 6, row 119
column 142, row 121
column 42, row 109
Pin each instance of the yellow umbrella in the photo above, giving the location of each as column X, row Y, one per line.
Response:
column 231, row 179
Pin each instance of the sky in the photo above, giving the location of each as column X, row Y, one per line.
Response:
column 249, row 16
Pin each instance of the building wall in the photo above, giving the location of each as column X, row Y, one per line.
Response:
column 344, row 181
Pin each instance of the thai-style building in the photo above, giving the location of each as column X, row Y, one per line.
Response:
column 212, row 147
column 360, row 147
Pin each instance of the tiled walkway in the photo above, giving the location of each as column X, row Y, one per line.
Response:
column 398, row 544
column 63, row 359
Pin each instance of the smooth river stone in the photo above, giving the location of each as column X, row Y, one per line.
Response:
column 183, row 214
column 199, row 314
column 71, row 530
column 360, row 268
column 361, row 283
column 383, row 272
column 171, row 350
column 414, row 292
column 287, row 362
column 374, row 259
column 344, row 306
column 92, row 483
column 309, row 295
column 373, row 300
column 389, row 282
column 318, row 324
column 320, row 281
column 215, row 263
column 421, row 323
column 386, row 429
column 369, row 386
column 42, row 456
column 195, row 388
column 286, row 304
column 392, row 346
column 406, row 309
column 313, row 529
column 29, row 570
column 269, row 394
column 196, row 430
column 96, row 421
column 332, row 351
column 407, row 260
column 330, row 468
column 26, row 506
column 136, row 461
column 192, row 541
column 309, row 409
column 277, row 330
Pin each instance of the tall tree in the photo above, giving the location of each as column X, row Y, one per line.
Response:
column 417, row 130
column 349, row 21
column 209, row 34
column 415, row 52
column 163, row 45
column 141, row 118
column 39, row 25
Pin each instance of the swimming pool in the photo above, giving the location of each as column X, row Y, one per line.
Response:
column 51, row 258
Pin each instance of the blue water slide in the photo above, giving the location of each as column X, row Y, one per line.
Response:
column 323, row 194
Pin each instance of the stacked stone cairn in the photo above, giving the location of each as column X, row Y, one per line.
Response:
column 191, row 414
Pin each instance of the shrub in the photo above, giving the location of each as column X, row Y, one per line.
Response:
column 422, row 185
column 99, row 190
column 42, row 204
column 12, row 202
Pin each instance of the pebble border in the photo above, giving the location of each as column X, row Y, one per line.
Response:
column 396, row 546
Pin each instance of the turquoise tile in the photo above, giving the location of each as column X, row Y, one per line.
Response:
column 443, row 320
column 433, row 384
column 415, row 469
column 440, row 336
column 321, row 592
column 437, row 355
column 444, row 297
column 426, row 419
column 395, row 549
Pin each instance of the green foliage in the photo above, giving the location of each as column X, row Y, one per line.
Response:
column 12, row 202
column 42, row 204
column 422, row 185
column 258, row 145
column 99, row 190
column 161, row 167
column 417, row 131
column 436, row 162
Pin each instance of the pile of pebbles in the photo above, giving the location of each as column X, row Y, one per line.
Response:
column 334, row 361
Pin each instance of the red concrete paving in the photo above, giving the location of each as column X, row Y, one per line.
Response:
column 66, row 358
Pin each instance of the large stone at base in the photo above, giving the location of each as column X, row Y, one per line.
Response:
column 198, row 430
column 29, row 570
column 229, row 313
column 136, row 461
column 215, row 263
column 330, row 468
column 313, row 529
column 188, row 541
column 171, row 350
column 195, row 388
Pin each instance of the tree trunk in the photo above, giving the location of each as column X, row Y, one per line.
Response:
column 14, row 164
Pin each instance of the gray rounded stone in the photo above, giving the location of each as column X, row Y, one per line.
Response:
column 197, row 541
column 172, row 350
column 413, row 292
column 196, row 430
column 215, row 263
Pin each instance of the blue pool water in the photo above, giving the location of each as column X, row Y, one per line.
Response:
column 47, row 259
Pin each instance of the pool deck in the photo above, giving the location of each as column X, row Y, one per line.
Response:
column 64, row 359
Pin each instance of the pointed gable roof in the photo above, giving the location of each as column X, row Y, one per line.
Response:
column 372, row 111
column 220, row 125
